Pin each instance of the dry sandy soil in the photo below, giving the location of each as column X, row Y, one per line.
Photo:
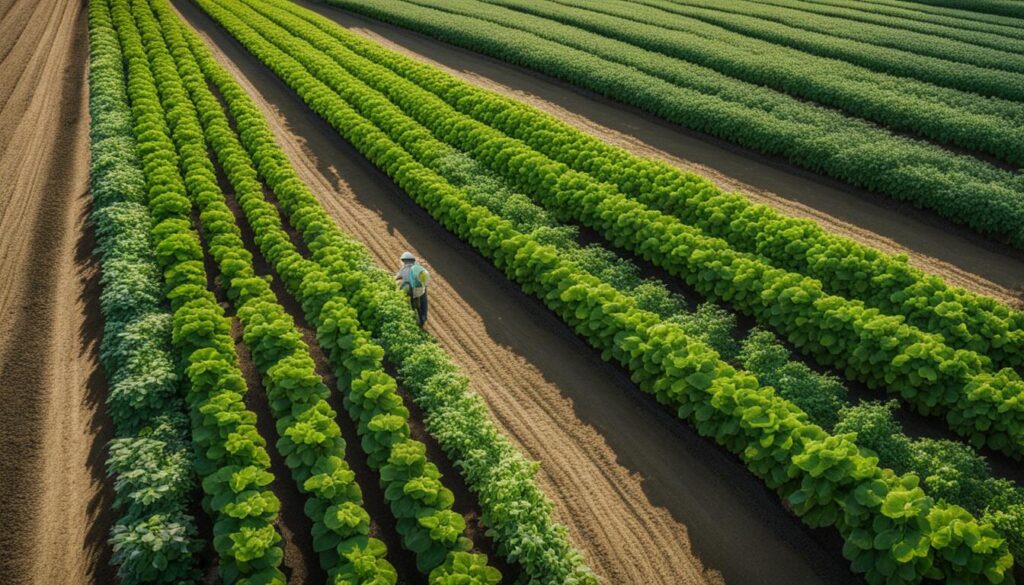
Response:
column 54, row 503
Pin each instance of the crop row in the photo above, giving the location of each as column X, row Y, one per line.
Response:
column 230, row 455
column 310, row 439
column 959, row 188
column 939, row 114
column 418, row 498
column 877, row 349
column 963, row 73
column 154, row 538
column 844, row 267
column 949, row 470
column 905, row 10
column 986, row 7
column 516, row 513
column 950, row 28
column 1004, row 58
column 771, row 435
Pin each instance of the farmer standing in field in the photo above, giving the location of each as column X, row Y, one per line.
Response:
column 413, row 278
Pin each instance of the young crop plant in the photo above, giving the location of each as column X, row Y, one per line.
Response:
column 844, row 267
column 516, row 513
column 933, row 377
column 887, row 520
column 154, row 539
column 310, row 439
column 230, row 456
column 942, row 115
column 971, row 77
column 960, row 188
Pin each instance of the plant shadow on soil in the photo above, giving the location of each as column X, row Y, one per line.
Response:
column 916, row 229
column 735, row 524
column 100, row 507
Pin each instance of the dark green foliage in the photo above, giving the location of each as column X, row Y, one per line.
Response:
column 987, row 35
column 931, row 58
column 960, row 188
column 820, row 396
column 996, row 7
column 887, row 521
column 878, row 431
column 842, row 266
column 942, row 115
column 931, row 375
column 154, row 538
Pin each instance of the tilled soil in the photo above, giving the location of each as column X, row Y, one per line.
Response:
column 932, row 244
column 54, row 499
column 646, row 499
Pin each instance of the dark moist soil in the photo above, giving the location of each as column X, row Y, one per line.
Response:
column 914, row 424
column 381, row 520
column 301, row 564
column 916, row 229
column 735, row 524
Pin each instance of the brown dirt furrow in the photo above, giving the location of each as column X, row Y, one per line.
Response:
column 10, row 29
column 961, row 257
column 644, row 498
column 25, row 67
column 54, row 497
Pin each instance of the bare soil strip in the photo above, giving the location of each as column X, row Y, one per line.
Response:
column 961, row 257
column 646, row 499
column 54, row 498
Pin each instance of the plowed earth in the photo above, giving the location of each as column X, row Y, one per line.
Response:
column 54, row 501
column 646, row 499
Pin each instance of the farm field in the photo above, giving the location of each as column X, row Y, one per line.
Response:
column 718, row 294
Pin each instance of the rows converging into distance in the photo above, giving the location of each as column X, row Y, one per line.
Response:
column 272, row 396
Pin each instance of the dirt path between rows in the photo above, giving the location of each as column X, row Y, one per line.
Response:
column 54, row 500
column 932, row 244
column 646, row 499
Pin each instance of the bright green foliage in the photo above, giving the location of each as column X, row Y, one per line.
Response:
column 223, row 433
column 960, row 188
column 310, row 440
column 516, row 513
column 154, row 538
column 825, row 477
column 949, row 471
column 868, row 346
column 844, row 267
column 483, row 188
column 940, row 114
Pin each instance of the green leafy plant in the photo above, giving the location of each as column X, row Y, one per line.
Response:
column 154, row 538
column 517, row 514
column 829, row 480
